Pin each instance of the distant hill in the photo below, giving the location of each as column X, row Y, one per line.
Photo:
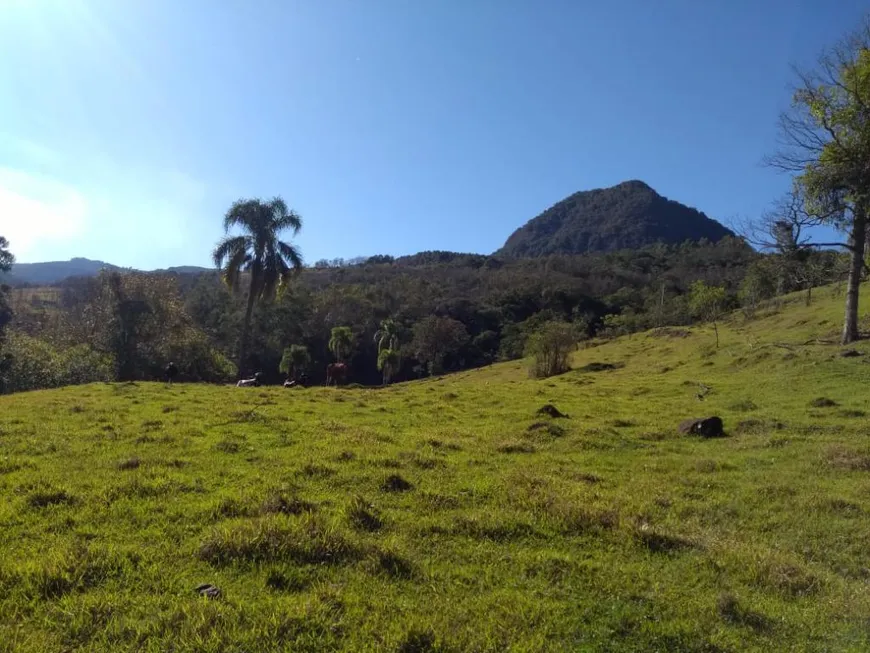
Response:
column 56, row 271
column 629, row 215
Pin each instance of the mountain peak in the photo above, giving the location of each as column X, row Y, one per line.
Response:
column 629, row 215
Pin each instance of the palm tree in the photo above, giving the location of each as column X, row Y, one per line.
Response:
column 387, row 337
column 258, row 251
column 341, row 342
column 389, row 363
column 296, row 358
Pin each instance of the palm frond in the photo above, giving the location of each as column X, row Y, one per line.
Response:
column 227, row 248
column 239, row 259
column 275, row 273
column 290, row 253
column 284, row 218
column 244, row 214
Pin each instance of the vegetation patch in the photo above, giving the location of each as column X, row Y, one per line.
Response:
column 292, row 580
column 823, row 402
column 659, row 542
column 363, row 515
column 846, row 458
column 279, row 502
column 515, row 447
column 732, row 611
column 304, row 540
column 600, row 367
column 130, row 463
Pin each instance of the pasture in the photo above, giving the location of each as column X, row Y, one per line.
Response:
column 448, row 514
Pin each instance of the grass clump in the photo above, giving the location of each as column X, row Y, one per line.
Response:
column 304, row 540
column 49, row 497
column 396, row 483
column 363, row 516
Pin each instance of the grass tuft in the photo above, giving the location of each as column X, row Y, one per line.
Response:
column 363, row 516
column 304, row 540
column 395, row 483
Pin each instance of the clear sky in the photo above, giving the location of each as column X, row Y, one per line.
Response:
column 127, row 127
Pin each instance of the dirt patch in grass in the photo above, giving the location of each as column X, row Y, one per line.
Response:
column 823, row 402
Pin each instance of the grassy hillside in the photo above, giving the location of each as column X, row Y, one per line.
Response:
column 447, row 514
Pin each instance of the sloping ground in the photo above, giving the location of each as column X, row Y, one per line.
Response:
column 448, row 514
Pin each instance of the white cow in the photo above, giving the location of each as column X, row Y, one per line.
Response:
column 248, row 383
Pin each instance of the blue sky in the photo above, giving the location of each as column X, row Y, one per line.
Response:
column 393, row 126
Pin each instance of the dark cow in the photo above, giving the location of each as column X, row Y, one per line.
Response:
column 336, row 373
column 170, row 372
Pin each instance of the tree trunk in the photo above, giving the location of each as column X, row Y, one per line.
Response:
column 246, row 330
column 856, row 267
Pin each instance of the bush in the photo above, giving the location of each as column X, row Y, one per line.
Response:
column 37, row 364
column 551, row 347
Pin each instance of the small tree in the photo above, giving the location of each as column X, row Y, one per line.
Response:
column 389, row 362
column 758, row 285
column 435, row 338
column 295, row 360
column 708, row 303
column 341, row 342
column 551, row 347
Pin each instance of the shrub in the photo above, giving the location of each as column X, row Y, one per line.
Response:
column 551, row 347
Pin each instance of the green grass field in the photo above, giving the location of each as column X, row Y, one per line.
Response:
column 447, row 515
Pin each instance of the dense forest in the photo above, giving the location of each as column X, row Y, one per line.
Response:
column 439, row 311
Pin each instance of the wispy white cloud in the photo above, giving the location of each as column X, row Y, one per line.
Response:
column 131, row 214
column 36, row 208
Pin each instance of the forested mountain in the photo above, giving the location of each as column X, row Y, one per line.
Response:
column 629, row 215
